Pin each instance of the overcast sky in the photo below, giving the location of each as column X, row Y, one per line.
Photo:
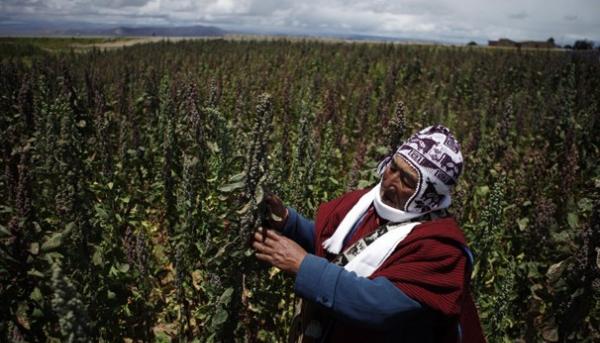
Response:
column 459, row 20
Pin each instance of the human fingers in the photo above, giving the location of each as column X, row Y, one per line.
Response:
column 263, row 238
column 262, row 248
column 272, row 234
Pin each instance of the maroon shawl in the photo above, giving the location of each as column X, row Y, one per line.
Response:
column 429, row 266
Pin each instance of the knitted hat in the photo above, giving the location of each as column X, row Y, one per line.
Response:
column 435, row 154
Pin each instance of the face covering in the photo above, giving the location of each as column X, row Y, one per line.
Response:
column 435, row 154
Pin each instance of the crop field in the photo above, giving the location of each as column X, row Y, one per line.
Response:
column 132, row 179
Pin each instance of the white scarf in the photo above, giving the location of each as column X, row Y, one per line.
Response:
column 373, row 256
column 335, row 243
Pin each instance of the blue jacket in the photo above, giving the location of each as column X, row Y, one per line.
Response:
column 376, row 304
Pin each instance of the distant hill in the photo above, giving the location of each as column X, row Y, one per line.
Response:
column 505, row 42
column 27, row 29
column 177, row 31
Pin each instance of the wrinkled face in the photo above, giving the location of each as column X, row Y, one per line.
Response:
column 399, row 182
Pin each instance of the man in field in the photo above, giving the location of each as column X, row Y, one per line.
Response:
column 385, row 264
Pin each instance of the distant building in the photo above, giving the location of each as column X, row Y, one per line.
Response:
column 505, row 42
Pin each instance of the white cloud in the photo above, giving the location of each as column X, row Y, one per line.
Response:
column 434, row 19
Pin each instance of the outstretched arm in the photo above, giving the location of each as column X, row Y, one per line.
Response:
column 374, row 303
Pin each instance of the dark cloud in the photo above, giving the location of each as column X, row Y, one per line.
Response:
column 518, row 16
column 464, row 19
column 118, row 3
column 23, row 3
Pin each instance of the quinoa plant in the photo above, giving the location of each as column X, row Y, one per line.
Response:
column 131, row 179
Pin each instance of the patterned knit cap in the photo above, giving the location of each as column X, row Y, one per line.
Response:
column 435, row 155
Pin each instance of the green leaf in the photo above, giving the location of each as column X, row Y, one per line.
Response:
column 55, row 241
column 572, row 220
column 37, row 313
column 34, row 248
column 4, row 231
column 523, row 223
column 33, row 272
column 114, row 271
column 226, row 296
column 231, row 187
column 123, row 267
column 53, row 256
column 555, row 271
column 363, row 184
column 259, row 194
column 550, row 334
column 585, row 205
column 97, row 258
column 238, row 177
column 213, row 147
column 36, row 295
column 245, row 209
column 162, row 337
column 101, row 212
column 482, row 191
column 220, row 317
column 127, row 310
column 382, row 150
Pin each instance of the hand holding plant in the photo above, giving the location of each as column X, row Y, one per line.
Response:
column 279, row 251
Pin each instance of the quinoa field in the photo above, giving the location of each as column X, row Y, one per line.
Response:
column 131, row 179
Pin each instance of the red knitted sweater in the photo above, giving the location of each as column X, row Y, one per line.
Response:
column 429, row 266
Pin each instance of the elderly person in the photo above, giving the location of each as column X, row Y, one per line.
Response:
column 385, row 264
